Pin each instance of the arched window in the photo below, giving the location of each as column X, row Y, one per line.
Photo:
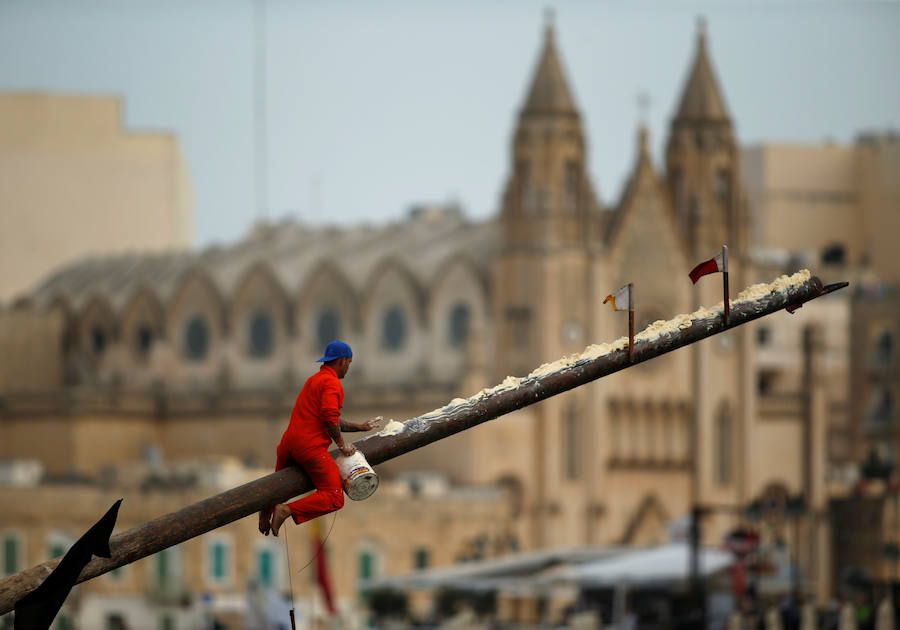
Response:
column 261, row 335
column 572, row 186
column 196, row 338
column 98, row 340
column 884, row 348
column 834, row 254
column 693, row 217
column 881, row 406
column 116, row 621
column 328, row 327
column 723, row 185
column 421, row 558
column 144, row 339
column 394, row 328
column 460, row 316
column 526, row 194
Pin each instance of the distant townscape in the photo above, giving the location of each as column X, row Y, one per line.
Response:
column 146, row 370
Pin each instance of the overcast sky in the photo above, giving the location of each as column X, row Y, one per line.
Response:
column 374, row 106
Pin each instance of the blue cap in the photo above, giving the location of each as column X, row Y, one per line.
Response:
column 336, row 350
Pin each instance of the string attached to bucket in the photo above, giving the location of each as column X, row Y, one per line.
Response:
column 290, row 573
column 290, row 580
column 321, row 546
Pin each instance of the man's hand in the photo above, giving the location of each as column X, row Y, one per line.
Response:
column 347, row 449
column 368, row 425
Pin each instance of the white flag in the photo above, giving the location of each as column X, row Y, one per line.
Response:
column 622, row 300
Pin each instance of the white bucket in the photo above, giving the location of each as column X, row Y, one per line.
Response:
column 360, row 481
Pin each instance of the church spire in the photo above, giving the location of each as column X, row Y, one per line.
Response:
column 548, row 198
column 702, row 99
column 702, row 161
column 549, row 92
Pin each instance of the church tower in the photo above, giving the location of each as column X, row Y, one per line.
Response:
column 543, row 290
column 703, row 176
column 548, row 200
column 702, row 163
column 548, row 220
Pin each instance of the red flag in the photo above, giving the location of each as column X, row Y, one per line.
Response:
column 322, row 577
column 719, row 262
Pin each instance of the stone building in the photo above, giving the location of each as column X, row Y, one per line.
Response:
column 835, row 207
column 201, row 353
column 409, row 523
column 74, row 182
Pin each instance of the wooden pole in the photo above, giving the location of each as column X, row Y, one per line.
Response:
column 231, row 505
column 630, row 322
column 725, row 289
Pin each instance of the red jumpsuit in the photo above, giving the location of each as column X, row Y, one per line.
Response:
column 305, row 442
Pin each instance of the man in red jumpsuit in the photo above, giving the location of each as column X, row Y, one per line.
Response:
column 315, row 422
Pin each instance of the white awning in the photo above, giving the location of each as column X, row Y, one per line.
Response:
column 657, row 565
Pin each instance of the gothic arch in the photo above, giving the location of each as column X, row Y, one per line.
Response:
column 145, row 297
column 142, row 320
column 514, row 488
column 64, row 303
column 321, row 278
column 458, row 286
column 383, row 270
column 468, row 264
column 98, row 326
column 258, row 291
column 195, row 280
column 259, row 272
column 69, row 334
column 197, row 298
column 648, row 522
column 326, row 293
column 393, row 319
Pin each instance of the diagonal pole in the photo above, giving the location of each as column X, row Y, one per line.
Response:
column 231, row 505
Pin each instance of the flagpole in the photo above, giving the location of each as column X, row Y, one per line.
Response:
column 630, row 323
column 725, row 288
column 726, row 301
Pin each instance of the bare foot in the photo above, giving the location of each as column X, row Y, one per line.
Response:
column 279, row 516
column 264, row 517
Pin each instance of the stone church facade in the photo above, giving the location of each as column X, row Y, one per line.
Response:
column 200, row 354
